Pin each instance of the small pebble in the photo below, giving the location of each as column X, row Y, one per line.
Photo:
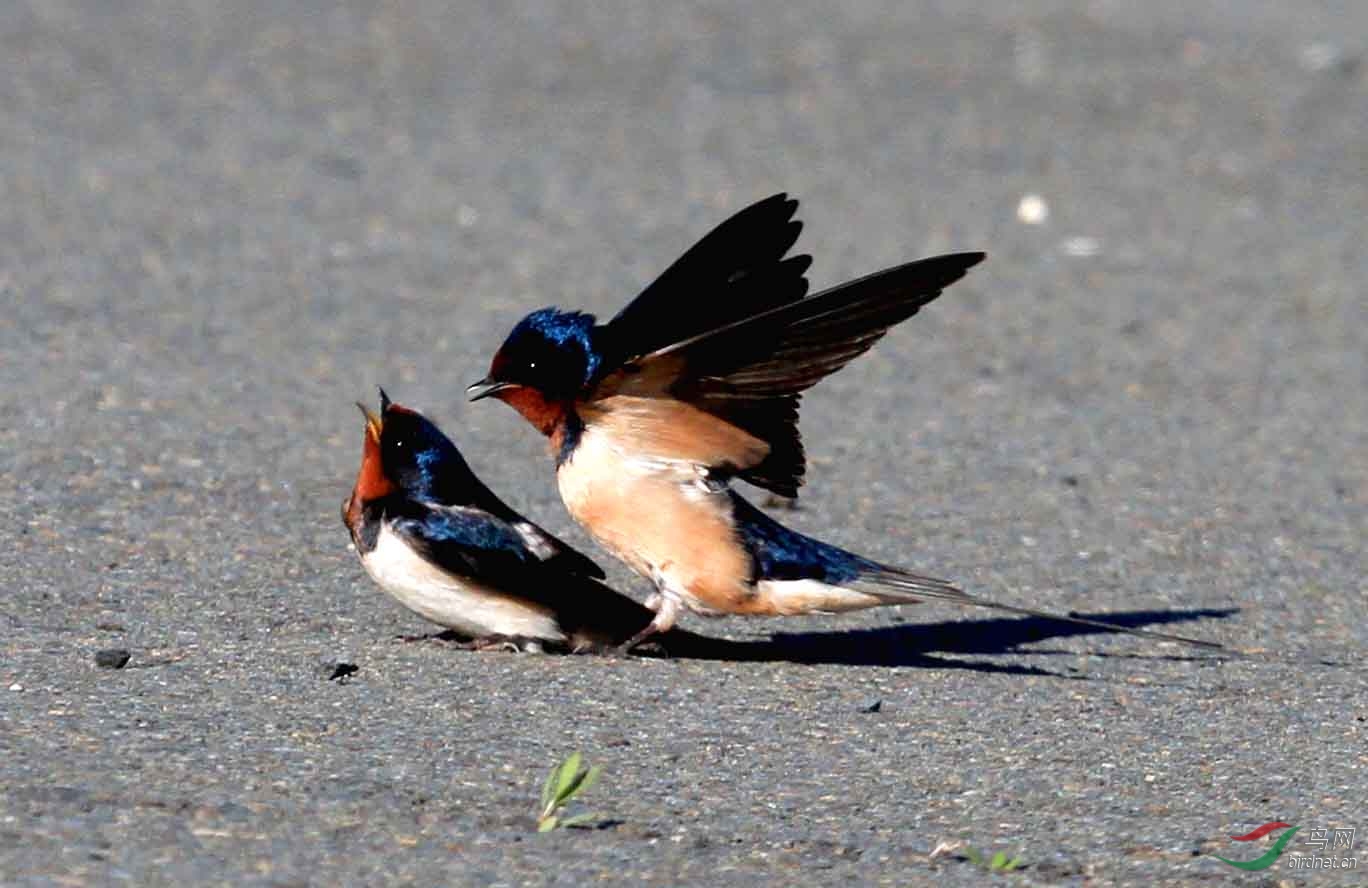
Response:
column 338, row 671
column 16, row 687
column 874, row 707
column 112, row 658
column 1033, row 210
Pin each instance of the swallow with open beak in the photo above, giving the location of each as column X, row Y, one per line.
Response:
column 695, row 384
column 439, row 541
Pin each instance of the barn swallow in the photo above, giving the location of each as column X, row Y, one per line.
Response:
column 433, row 536
column 696, row 383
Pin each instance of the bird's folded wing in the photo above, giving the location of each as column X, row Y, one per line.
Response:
column 556, row 553
column 551, row 549
column 471, row 542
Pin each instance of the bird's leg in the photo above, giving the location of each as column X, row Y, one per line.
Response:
column 667, row 607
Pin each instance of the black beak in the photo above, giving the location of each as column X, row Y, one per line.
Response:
column 486, row 387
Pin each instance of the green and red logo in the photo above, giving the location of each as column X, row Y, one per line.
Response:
column 1268, row 858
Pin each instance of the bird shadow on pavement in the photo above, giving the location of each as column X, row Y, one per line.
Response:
column 915, row 644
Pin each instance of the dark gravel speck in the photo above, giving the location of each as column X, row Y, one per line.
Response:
column 338, row 671
column 112, row 658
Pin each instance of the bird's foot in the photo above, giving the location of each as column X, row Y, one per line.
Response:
column 653, row 648
column 646, row 643
column 514, row 644
column 667, row 608
column 647, row 646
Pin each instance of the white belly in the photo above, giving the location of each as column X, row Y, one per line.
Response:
column 469, row 607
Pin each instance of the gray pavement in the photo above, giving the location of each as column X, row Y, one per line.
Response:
column 224, row 222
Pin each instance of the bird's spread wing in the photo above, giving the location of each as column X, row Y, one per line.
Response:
column 471, row 542
column 737, row 270
column 749, row 373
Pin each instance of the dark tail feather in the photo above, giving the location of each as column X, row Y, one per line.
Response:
column 894, row 586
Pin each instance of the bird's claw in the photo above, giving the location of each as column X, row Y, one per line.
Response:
column 511, row 643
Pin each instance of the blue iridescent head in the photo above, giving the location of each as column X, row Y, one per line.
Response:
column 417, row 457
column 551, row 351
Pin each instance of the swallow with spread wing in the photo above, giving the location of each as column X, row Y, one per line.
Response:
column 696, row 383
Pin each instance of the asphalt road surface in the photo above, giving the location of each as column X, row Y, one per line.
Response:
column 222, row 223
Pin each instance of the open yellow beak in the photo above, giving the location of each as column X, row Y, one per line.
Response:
column 373, row 423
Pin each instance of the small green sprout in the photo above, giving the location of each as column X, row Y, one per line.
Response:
column 564, row 783
column 998, row 863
